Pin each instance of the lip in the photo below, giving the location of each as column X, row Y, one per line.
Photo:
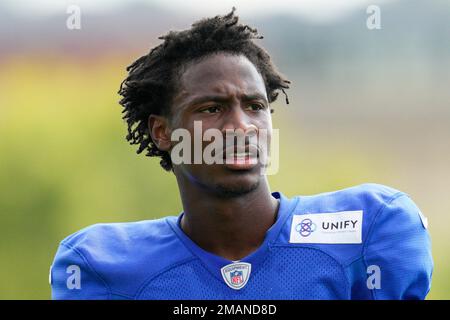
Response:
column 241, row 158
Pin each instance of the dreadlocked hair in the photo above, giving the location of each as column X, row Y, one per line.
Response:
column 152, row 79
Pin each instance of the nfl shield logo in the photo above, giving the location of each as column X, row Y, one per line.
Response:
column 236, row 274
column 236, row 277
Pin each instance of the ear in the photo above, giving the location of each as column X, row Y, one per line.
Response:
column 158, row 127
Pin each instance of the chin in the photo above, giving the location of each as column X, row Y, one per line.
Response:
column 238, row 187
column 221, row 181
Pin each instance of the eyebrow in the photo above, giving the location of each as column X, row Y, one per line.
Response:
column 217, row 98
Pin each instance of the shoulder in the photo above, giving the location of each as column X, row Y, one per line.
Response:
column 119, row 257
column 351, row 216
column 370, row 198
column 116, row 236
column 364, row 228
column 362, row 194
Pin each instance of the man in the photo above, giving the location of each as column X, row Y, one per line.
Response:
column 235, row 239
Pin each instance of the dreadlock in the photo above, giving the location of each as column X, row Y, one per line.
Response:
column 152, row 79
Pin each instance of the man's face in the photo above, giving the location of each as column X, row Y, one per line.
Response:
column 224, row 92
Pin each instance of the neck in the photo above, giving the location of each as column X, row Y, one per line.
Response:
column 228, row 227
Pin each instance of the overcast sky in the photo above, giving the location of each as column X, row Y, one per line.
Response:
column 311, row 9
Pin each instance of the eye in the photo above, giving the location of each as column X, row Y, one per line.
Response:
column 211, row 109
column 256, row 106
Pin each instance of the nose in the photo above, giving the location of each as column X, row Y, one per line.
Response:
column 237, row 120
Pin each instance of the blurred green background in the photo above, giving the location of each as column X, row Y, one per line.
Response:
column 366, row 106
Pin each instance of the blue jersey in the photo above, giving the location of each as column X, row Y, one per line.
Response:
column 364, row 242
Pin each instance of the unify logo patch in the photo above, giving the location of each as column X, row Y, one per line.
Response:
column 236, row 274
column 334, row 227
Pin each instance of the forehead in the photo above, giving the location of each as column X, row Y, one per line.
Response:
column 223, row 74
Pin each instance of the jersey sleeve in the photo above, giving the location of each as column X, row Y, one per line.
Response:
column 399, row 250
column 73, row 278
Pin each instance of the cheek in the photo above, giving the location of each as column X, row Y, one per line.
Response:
column 265, row 125
column 265, row 135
